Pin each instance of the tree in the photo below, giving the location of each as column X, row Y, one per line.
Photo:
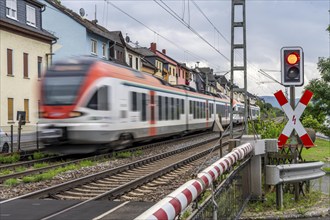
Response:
column 320, row 107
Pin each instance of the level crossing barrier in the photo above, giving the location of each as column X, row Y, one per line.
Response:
column 173, row 204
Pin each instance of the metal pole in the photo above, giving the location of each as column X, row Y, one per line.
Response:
column 215, row 205
column 19, row 134
column 279, row 196
column 12, row 138
column 293, row 139
column 232, row 70
column 37, row 136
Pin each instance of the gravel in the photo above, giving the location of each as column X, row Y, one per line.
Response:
column 7, row 192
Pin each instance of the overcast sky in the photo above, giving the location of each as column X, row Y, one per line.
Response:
column 270, row 25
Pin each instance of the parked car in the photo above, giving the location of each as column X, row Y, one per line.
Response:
column 4, row 141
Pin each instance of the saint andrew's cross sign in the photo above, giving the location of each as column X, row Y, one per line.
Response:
column 294, row 116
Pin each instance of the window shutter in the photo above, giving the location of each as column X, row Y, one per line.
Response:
column 26, row 65
column 10, row 62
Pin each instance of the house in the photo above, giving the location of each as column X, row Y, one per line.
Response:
column 76, row 35
column 25, row 52
column 150, row 60
column 117, row 47
column 133, row 58
column 175, row 72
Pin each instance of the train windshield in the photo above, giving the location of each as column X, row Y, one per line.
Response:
column 61, row 90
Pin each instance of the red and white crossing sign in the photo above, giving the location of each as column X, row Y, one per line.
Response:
column 294, row 116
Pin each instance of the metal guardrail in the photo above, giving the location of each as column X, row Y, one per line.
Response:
column 291, row 173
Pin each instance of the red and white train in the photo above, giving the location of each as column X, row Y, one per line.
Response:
column 89, row 104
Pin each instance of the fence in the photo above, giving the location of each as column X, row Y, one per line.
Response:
column 230, row 197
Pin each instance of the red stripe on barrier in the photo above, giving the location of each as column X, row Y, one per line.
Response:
column 198, row 187
column 306, row 97
column 223, row 166
column 231, row 159
column 281, row 98
column 205, row 180
column 177, row 205
column 307, row 141
column 282, row 140
column 161, row 214
column 212, row 174
column 188, row 195
column 217, row 169
column 227, row 162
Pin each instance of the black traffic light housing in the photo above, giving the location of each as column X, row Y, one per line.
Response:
column 292, row 66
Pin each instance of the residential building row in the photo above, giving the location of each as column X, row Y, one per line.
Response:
column 36, row 33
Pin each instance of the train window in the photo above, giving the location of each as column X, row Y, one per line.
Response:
column 144, row 107
column 99, row 100
column 166, row 108
column 190, row 107
column 204, row 110
column 182, row 106
column 178, row 109
column 160, row 109
column 172, row 109
column 133, row 101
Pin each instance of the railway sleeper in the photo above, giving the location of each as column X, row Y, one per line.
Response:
column 160, row 182
column 135, row 194
column 146, row 187
column 110, row 181
column 89, row 187
column 79, row 194
column 98, row 190
column 64, row 197
column 139, row 190
column 100, row 185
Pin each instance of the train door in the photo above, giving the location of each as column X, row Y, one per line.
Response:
column 152, row 110
column 122, row 104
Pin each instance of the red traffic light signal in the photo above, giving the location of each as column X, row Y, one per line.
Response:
column 292, row 66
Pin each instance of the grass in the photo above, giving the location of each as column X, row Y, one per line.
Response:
column 50, row 174
column 9, row 158
column 320, row 152
column 40, row 165
column 301, row 206
column 11, row 182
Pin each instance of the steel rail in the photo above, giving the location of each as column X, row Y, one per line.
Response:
column 92, row 158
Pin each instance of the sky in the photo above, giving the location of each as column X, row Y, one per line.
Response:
column 202, row 32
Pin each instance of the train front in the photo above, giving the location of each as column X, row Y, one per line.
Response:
column 61, row 119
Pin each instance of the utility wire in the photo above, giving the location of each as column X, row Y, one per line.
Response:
column 158, row 34
column 177, row 17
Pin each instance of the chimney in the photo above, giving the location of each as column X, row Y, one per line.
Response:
column 164, row 51
column 153, row 47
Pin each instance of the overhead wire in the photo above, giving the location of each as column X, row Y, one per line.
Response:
column 156, row 33
column 177, row 17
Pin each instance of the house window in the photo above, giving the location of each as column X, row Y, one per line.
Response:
column 9, row 62
column 10, row 109
column 130, row 58
column 104, row 49
column 137, row 63
column 26, row 65
column 11, row 9
column 26, row 109
column 93, row 46
column 39, row 66
column 30, row 16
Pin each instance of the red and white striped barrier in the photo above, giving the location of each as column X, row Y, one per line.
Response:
column 294, row 116
column 173, row 204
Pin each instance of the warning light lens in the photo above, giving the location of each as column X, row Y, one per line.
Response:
column 292, row 58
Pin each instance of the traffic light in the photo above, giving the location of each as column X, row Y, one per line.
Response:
column 292, row 66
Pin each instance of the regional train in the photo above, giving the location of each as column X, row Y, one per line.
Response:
column 88, row 104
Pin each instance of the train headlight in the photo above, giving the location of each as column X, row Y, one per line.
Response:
column 75, row 114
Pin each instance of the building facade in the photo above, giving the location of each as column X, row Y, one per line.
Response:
column 76, row 35
column 25, row 52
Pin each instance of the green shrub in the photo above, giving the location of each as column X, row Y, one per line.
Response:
column 9, row 158
column 40, row 165
column 11, row 182
column 38, row 155
column 310, row 122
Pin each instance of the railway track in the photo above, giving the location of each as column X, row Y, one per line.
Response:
column 126, row 182
column 30, row 170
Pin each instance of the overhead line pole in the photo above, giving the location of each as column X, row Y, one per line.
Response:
column 242, row 46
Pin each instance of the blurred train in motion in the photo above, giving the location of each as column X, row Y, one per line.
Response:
column 89, row 104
